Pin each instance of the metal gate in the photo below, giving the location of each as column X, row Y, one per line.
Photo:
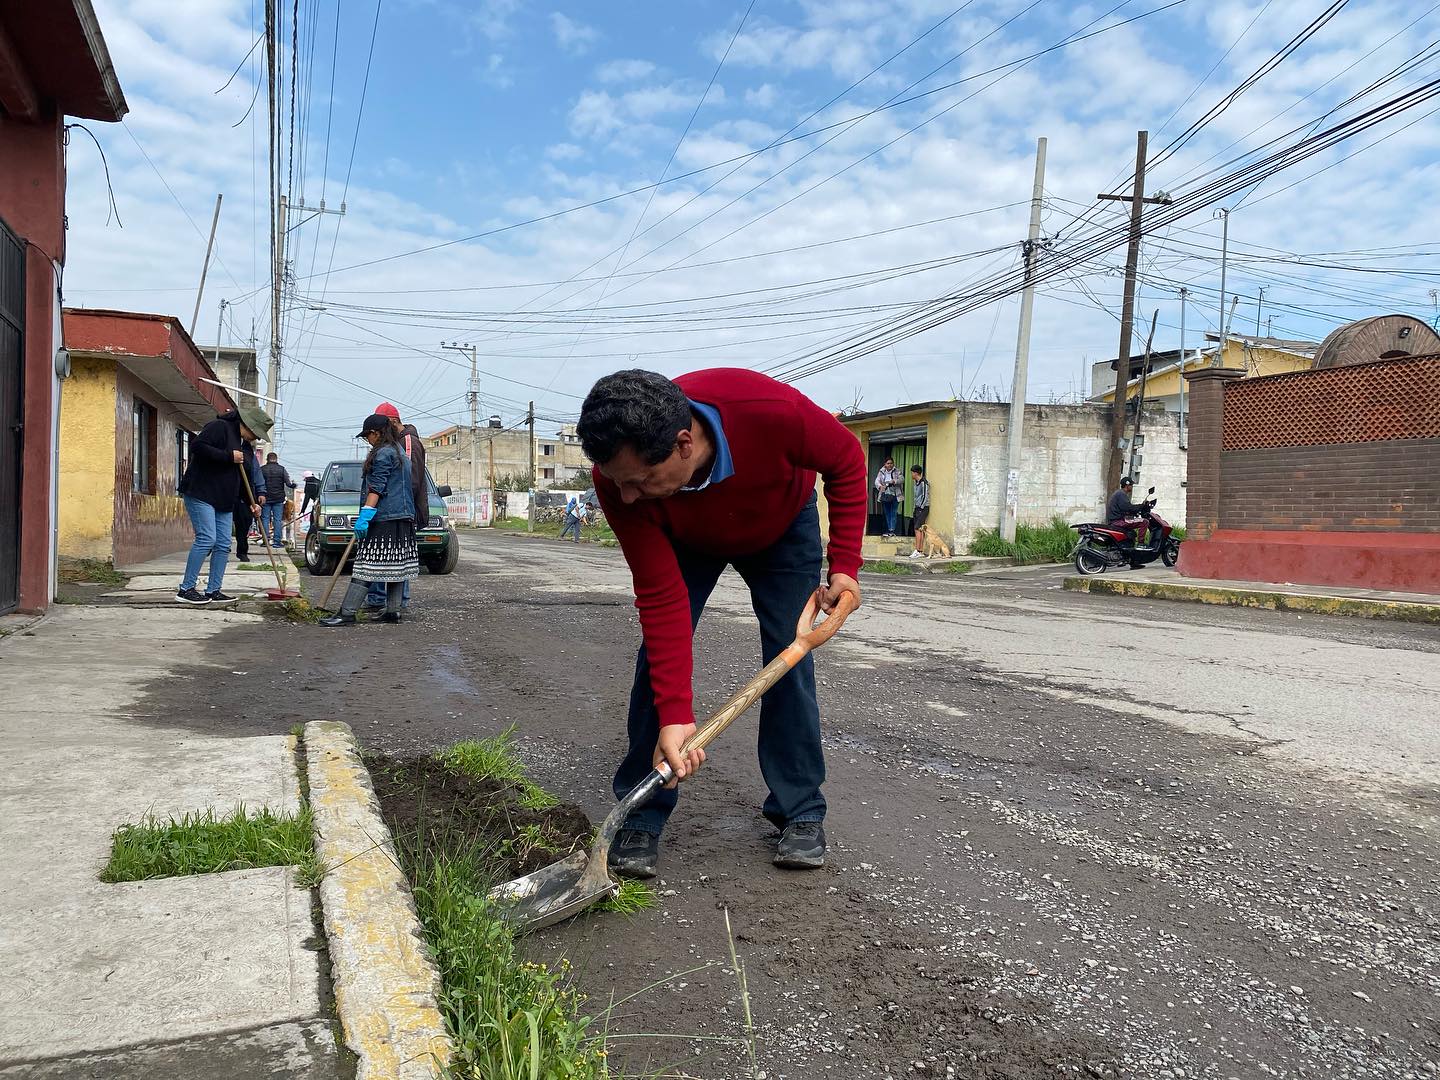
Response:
column 12, row 399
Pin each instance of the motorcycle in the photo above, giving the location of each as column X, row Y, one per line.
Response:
column 1102, row 546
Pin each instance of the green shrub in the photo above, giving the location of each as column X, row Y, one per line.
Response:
column 1053, row 542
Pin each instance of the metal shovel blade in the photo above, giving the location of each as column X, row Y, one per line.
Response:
column 552, row 893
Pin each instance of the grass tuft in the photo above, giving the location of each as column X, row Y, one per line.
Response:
column 508, row 1018
column 494, row 759
column 960, row 567
column 887, row 566
column 201, row 843
column 89, row 571
column 633, row 896
column 298, row 609
column 1052, row 542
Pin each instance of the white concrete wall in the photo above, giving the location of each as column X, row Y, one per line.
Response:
column 1063, row 464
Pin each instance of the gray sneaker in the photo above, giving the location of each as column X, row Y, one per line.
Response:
column 802, row 846
column 634, row 854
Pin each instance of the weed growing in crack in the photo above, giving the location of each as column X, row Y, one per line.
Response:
column 201, row 843
column 631, row 897
column 494, row 759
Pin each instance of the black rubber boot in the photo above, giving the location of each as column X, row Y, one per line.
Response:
column 634, row 854
column 337, row 620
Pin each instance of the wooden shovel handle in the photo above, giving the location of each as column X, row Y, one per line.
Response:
column 808, row 636
column 339, row 567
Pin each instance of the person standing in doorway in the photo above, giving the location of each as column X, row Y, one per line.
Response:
column 413, row 448
column 920, row 487
column 210, row 488
column 386, row 552
column 888, row 486
column 277, row 481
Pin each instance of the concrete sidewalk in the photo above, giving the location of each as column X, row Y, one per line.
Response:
column 1161, row 584
column 155, row 581
column 216, row 975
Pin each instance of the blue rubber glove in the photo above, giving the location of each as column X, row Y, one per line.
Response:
column 362, row 521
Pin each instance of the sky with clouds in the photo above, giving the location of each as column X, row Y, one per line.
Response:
column 577, row 188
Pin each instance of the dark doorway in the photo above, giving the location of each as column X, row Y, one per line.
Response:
column 12, row 404
column 907, row 447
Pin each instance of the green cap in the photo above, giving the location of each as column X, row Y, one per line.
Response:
column 257, row 420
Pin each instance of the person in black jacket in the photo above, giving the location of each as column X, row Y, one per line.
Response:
column 414, row 448
column 244, row 511
column 1119, row 509
column 272, row 514
column 210, row 487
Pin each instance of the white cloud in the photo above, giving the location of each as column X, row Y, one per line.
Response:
column 761, row 97
column 563, row 152
column 618, row 71
column 573, row 37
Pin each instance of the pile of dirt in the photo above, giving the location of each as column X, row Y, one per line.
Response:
column 422, row 800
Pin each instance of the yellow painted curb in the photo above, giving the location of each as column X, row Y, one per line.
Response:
column 386, row 985
column 1359, row 607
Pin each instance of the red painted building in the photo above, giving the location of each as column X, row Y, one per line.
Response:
column 53, row 62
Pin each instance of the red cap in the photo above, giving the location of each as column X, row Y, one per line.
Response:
column 386, row 409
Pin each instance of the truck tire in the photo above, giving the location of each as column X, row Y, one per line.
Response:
column 446, row 563
column 318, row 561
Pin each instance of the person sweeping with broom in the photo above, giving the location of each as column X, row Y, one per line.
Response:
column 717, row 468
column 386, row 550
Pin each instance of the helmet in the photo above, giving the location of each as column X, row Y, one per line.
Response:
column 1125, row 481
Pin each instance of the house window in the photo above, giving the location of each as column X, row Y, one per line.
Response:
column 142, row 451
column 182, row 452
column 548, row 474
column 547, row 449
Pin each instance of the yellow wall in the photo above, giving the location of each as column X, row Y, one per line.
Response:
column 87, row 460
column 939, row 462
column 1255, row 361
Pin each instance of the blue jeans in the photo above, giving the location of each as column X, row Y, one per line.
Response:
column 781, row 579
column 272, row 520
column 212, row 537
column 891, row 508
column 571, row 522
column 376, row 596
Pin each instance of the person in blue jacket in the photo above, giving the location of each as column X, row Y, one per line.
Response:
column 386, row 550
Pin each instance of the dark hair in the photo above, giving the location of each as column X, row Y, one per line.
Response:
column 918, row 469
column 272, row 456
column 387, row 438
column 634, row 408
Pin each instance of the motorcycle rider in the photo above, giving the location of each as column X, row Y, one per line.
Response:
column 1120, row 511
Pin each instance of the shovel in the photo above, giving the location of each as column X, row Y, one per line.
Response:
column 567, row 887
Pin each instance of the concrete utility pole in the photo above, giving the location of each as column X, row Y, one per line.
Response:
column 1259, row 303
column 1224, row 257
column 219, row 329
column 530, row 422
column 205, row 267
column 472, row 395
column 1184, row 293
column 1137, row 201
column 1136, row 439
column 277, row 296
column 1011, row 510
column 277, row 287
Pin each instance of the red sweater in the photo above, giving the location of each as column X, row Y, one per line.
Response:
column 779, row 440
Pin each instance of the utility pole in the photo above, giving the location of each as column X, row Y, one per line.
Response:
column 1136, row 439
column 1259, row 303
column 277, row 294
column 1011, row 510
column 1224, row 257
column 1184, row 293
column 530, row 422
column 1137, row 201
column 472, row 395
column 205, row 267
column 277, row 286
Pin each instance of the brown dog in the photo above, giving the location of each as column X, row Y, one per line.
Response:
column 932, row 543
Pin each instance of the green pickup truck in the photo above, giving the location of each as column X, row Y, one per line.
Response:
column 332, row 521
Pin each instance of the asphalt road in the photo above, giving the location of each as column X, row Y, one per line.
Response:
column 1070, row 834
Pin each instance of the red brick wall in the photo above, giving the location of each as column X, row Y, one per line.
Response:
column 1353, row 449
column 1390, row 486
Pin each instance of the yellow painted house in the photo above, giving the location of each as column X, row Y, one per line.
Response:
column 1253, row 355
